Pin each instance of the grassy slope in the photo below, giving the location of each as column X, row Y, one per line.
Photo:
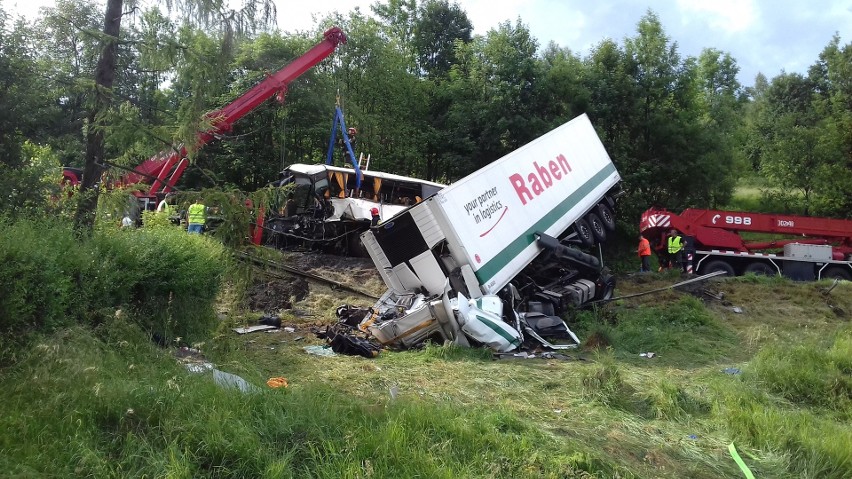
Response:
column 112, row 405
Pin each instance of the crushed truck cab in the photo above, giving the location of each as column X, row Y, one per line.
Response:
column 496, row 257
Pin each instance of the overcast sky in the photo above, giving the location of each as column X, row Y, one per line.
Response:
column 765, row 36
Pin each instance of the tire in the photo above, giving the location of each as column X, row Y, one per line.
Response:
column 584, row 233
column 607, row 287
column 760, row 268
column 838, row 272
column 354, row 247
column 718, row 265
column 607, row 217
column 598, row 228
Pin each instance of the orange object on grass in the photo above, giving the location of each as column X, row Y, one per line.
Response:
column 277, row 382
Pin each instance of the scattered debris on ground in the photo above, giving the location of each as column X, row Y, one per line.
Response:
column 253, row 329
column 344, row 339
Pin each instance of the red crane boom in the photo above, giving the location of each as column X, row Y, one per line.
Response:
column 165, row 168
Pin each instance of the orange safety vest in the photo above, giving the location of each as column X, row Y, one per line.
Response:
column 644, row 247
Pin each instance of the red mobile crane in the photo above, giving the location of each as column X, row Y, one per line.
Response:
column 807, row 248
column 164, row 169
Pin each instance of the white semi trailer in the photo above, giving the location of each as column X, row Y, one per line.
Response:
column 496, row 256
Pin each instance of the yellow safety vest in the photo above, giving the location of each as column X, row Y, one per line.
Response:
column 675, row 244
column 196, row 214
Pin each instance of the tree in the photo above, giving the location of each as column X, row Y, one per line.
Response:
column 561, row 93
column 676, row 160
column 28, row 172
column 832, row 75
column 789, row 152
column 494, row 103
column 67, row 42
column 380, row 95
column 439, row 26
column 609, row 78
column 231, row 22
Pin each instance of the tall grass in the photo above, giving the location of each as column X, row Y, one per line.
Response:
column 117, row 407
column 683, row 333
column 796, row 399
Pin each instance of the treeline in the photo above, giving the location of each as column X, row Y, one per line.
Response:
column 428, row 98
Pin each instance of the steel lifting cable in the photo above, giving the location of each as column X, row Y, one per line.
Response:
column 672, row 286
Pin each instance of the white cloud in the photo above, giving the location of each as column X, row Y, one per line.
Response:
column 732, row 16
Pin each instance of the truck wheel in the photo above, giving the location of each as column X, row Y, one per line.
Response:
column 598, row 228
column 718, row 265
column 837, row 272
column 760, row 269
column 606, row 215
column 584, row 233
column 354, row 247
column 606, row 289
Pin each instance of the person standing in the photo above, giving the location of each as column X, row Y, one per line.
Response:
column 374, row 213
column 644, row 254
column 196, row 216
column 675, row 248
column 164, row 206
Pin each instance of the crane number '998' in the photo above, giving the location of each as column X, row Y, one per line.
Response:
column 734, row 220
column 738, row 220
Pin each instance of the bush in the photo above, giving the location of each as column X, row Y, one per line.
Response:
column 169, row 278
column 163, row 278
column 37, row 267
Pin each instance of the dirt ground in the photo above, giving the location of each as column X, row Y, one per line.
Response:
column 273, row 295
column 280, row 291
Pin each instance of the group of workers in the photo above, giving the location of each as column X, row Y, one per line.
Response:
column 670, row 253
column 196, row 215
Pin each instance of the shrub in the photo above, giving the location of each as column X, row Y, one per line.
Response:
column 165, row 279
column 37, row 272
column 169, row 278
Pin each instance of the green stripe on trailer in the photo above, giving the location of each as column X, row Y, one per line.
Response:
column 497, row 329
column 499, row 261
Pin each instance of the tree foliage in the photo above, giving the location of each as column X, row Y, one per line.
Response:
column 799, row 134
column 428, row 98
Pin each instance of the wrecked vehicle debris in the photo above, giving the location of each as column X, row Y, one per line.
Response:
column 330, row 207
column 254, row 329
column 495, row 258
column 346, row 340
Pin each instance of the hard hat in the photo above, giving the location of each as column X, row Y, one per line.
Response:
column 374, row 211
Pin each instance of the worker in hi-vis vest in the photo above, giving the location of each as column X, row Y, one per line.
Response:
column 196, row 216
column 644, row 251
column 675, row 247
column 164, row 207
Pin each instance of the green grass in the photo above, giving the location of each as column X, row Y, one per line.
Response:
column 110, row 407
column 106, row 402
column 683, row 333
